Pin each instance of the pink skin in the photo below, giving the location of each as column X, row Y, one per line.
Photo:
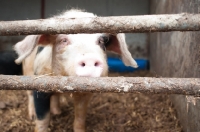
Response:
column 89, row 65
column 81, row 54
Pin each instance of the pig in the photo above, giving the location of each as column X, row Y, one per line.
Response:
column 82, row 55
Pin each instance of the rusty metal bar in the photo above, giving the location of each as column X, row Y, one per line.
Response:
column 125, row 24
column 185, row 86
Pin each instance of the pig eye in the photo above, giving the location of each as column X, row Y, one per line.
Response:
column 64, row 40
column 103, row 40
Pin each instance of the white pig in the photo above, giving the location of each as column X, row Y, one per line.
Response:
column 67, row 55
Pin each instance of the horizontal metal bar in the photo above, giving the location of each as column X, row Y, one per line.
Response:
column 125, row 24
column 185, row 86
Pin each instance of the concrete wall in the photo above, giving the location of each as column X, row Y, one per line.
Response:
column 17, row 10
column 176, row 54
column 30, row 9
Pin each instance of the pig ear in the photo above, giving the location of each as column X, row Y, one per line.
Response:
column 118, row 45
column 25, row 47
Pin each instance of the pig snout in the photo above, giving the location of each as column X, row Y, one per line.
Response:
column 89, row 65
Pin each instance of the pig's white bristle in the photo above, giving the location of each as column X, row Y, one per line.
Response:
column 74, row 13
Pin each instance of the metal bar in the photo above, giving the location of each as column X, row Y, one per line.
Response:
column 125, row 24
column 185, row 86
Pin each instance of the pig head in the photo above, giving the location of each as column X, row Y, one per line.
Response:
column 67, row 55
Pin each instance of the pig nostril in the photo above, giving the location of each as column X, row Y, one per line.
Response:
column 82, row 64
column 96, row 64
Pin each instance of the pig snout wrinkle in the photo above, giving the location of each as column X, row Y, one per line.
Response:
column 89, row 66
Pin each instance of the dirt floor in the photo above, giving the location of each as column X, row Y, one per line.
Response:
column 106, row 113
